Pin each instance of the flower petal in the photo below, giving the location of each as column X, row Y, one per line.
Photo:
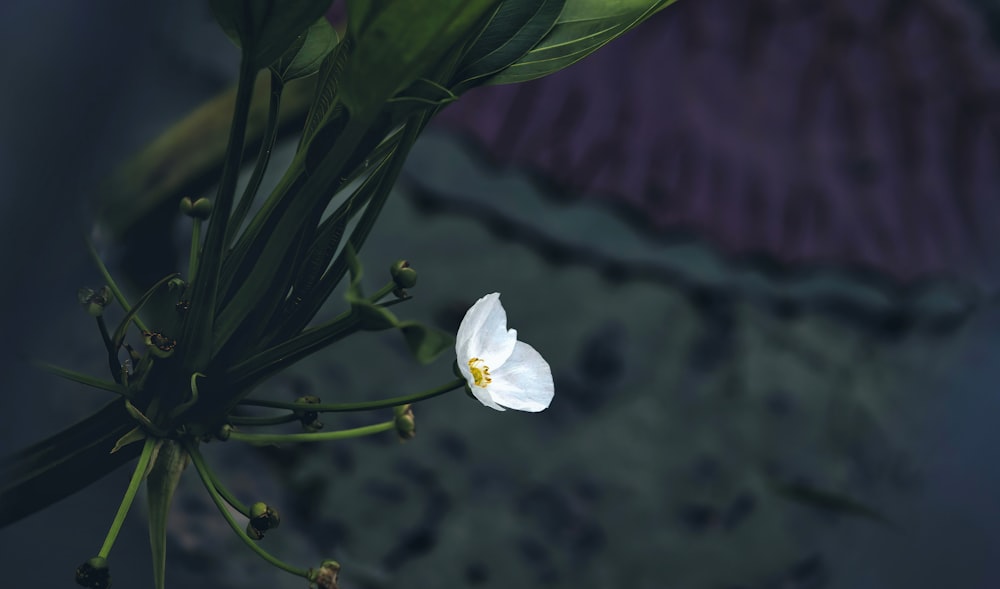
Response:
column 483, row 333
column 523, row 382
column 483, row 396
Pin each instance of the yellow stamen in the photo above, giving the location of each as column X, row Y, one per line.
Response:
column 480, row 372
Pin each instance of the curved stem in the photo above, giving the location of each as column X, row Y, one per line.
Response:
column 383, row 292
column 227, row 495
column 361, row 406
column 262, row 421
column 133, row 486
column 208, row 480
column 313, row 437
column 113, row 286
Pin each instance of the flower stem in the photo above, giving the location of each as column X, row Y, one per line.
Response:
column 209, row 482
column 227, row 495
column 262, row 421
column 113, row 286
column 133, row 486
column 383, row 292
column 362, row 406
column 313, row 437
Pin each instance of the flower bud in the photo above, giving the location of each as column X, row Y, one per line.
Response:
column 325, row 577
column 160, row 345
column 309, row 419
column 406, row 425
column 176, row 283
column 263, row 517
column 223, row 433
column 94, row 301
column 197, row 209
column 94, row 574
column 403, row 275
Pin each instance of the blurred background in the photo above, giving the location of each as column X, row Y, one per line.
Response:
column 755, row 241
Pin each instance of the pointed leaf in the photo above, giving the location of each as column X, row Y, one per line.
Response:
column 307, row 53
column 513, row 30
column 402, row 42
column 84, row 379
column 160, row 485
column 265, row 29
column 583, row 27
column 40, row 475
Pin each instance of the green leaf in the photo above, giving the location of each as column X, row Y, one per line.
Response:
column 170, row 461
column 402, row 42
column 307, row 52
column 425, row 343
column 583, row 27
column 324, row 105
column 84, row 379
column 38, row 476
column 265, row 29
column 513, row 30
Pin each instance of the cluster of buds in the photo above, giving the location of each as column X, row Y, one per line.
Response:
column 309, row 419
column 263, row 517
column 94, row 301
column 94, row 574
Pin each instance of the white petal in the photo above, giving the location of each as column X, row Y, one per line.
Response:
column 523, row 382
column 483, row 396
column 483, row 333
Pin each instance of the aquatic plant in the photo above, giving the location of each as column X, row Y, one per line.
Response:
column 187, row 353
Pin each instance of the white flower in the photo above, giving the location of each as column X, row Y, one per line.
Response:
column 501, row 371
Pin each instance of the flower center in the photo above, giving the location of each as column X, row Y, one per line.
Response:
column 480, row 372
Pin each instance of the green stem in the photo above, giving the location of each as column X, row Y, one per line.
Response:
column 362, row 406
column 383, row 292
column 208, row 480
column 112, row 285
column 227, row 495
column 133, row 486
column 262, row 421
column 314, row 437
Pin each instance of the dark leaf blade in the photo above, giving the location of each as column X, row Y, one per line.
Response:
column 515, row 28
column 310, row 50
column 55, row 468
column 581, row 28
column 403, row 42
column 265, row 29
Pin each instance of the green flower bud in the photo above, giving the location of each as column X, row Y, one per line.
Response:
column 325, row 577
column 176, row 283
column 224, row 431
column 403, row 275
column 198, row 209
column 253, row 533
column 406, row 425
column 158, row 344
column 94, row 574
column 263, row 517
column 94, row 301
column 309, row 419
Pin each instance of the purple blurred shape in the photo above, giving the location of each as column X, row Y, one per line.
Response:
column 859, row 134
